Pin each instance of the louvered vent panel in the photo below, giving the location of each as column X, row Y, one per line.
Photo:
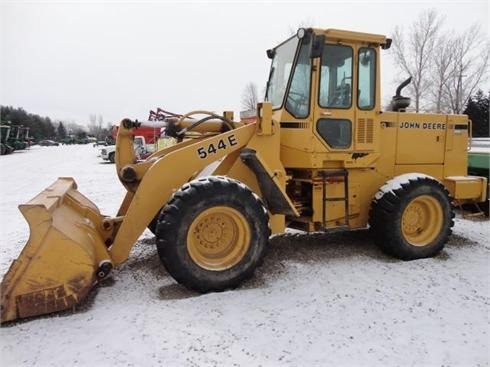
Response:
column 369, row 131
column 361, row 131
column 365, row 138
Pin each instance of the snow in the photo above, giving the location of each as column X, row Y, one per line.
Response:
column 480, row 145
column 480, row 150
column 318, row 299
column 396, row 183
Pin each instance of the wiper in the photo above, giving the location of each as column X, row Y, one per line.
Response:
column 271, row 73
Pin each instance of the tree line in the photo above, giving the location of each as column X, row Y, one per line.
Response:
column 45, row 128
column 39, row 127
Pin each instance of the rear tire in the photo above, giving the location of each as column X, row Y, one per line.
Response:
column 212, row 234
column 414, row 220
column 112, row 157
column 153, row 224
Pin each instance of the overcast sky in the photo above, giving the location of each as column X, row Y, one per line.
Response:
column 67, row 60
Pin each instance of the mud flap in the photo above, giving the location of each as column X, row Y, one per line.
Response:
column 58, row 265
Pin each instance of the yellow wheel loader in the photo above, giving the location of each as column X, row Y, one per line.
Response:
column 321, row 156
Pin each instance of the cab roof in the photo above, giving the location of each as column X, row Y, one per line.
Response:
column 338, row 35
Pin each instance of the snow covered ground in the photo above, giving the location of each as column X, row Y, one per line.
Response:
column 318, row 300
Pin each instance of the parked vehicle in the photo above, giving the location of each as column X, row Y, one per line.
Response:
column 108, row 153
column 142, row 149
column 479, row 165
column 19, row 137
column 48, row 143
column 6, row 148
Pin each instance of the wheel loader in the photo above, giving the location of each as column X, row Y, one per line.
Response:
column 321, row 156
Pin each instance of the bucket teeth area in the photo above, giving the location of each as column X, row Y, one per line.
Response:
column 47, row 301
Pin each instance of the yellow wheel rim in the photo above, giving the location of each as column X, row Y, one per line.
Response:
column 218, row 238
column 422, row 220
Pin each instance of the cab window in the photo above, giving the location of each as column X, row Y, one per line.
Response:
column 336, row 77
column 298, row 99
column 367, row 78
column 336, row 132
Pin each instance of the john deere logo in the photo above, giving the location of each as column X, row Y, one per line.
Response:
column 423, row 125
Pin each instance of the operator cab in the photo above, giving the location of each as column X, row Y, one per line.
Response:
column 326, row 81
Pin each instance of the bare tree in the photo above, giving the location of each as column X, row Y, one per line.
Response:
column 442, row 71
column 470, row 61
column 74, row 129
column 250, row 97
column 413, row 52
column 95, row 125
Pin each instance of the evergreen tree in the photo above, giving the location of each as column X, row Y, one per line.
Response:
column 477, row 110
column 39, row 127
column 61, row 131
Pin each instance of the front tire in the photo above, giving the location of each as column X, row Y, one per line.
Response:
column 212, row 234
column 414, row 220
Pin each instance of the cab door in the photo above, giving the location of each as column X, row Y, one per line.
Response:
column 334, row 117
column 366, row 132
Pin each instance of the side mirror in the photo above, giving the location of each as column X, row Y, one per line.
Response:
column 317, row 46
column 387, row 45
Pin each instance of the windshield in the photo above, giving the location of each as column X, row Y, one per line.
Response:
column 280, row 71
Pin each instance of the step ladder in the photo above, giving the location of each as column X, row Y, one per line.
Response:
column 344, row 175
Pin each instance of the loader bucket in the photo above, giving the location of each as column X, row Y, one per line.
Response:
column 58, row 266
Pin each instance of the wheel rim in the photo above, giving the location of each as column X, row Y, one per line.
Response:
column 422, row 220
column 218, row 238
